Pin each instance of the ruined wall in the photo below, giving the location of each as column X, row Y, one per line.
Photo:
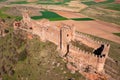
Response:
column 62, row 35
column 83, row 59
column 87, row 40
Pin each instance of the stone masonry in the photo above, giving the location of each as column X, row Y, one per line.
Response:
column 89, row 64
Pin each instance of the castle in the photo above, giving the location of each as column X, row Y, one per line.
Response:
column 89, row 64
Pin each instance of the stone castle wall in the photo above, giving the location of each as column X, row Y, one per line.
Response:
column 85, row 59
column 62, row 35
column 87, row 40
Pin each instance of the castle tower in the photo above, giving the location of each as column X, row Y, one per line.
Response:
column 102, row 59
column 25, row 16
column 66, row 35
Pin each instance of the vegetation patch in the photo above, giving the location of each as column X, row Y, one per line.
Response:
column 49, row 15
column 4, row 15
column 96, row 3
column 118, row 34
column 81, row 46
column 102, row 14
column 111, row 6
column 22, row 58
column 20, row 2
column 3, row 0
column 82, row 19
column 53, row 2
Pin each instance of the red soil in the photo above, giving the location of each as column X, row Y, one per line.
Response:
column 99, row 0
column 117, row 1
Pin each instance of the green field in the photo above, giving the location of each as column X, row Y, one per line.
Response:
column 94, row 3
column 48, row 2
column 20, row 2
column 49, row 15
column 118, row 34
column 82, row 19
column 53, row 2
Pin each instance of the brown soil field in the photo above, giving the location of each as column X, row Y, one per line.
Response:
column 99, row 0
column 96, row 27
column 69, row 14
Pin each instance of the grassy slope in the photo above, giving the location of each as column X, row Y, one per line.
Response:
column 4, row 15
column 3, row 0
column 31, row 59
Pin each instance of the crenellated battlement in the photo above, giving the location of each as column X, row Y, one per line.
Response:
column 78, row 56
column 87, row 40
column 84, row 53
